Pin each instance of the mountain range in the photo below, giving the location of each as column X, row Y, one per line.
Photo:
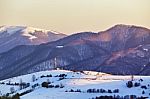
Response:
column 122, row 49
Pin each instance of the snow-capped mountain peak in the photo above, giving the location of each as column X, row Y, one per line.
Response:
column 11, row 29
column 30, row 32
column 11, row 36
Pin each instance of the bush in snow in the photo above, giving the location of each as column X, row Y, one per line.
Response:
column 141, row 80
column 143, row 87
column 109, row 91
column 50, row 86
column 61, row 78
column 129, row 84
column 42, row 76
column 94, row 90
column 35, row 85
column 97, row 90
column 89, row 90
column 78, row 90
column 62, row 75
column 116, row 91
column 49, row 75
column 71, row 90
column 45, row 84
column 136, row 84
column 102, row 91
column 56, row 86
column 143, row 92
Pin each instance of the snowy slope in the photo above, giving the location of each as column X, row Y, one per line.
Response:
column 75, row 80
column 11, row 36
column 11, row 29
column 25, row 31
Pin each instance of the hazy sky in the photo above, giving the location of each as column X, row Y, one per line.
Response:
column 69, row 16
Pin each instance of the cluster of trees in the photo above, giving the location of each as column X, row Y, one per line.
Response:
column 120, row 97
column 130, row 84
column 144, row 87
column 14, row 84
column 61, row 78
column 48, row 85
column 136, row 84
column 78, row 90
column 45, row 84
column 46, row 76
column 61, row 75
column 24, row 85
column 35, row 85
column 21, row 85
column 102, row 91
column 26, row 92
column 16, row 96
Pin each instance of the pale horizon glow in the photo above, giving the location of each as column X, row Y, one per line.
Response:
column 71, row 16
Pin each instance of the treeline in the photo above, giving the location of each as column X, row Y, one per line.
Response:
column 102, row 91
column 120, row 97
column 49, row 85
column 60, row 75
column 16, row 96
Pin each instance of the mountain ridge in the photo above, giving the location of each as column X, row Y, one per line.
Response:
column 117, row 51
column 12, row 36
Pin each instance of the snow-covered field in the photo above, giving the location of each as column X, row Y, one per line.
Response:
column 75, row 80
